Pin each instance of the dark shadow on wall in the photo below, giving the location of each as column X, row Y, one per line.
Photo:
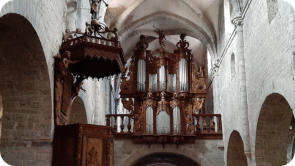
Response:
column 25, row 87
column 78, row 113
column 235, row 151
column 273, row 130
column 165, row 159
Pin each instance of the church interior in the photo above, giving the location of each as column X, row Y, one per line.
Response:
column 147, row 82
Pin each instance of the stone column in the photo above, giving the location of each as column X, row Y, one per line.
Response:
column 83, row 14
column 100, row 103
column 71, row 15
column 102, row 10
column 243, row 105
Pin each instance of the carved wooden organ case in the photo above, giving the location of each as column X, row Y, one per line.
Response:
column 163, row 90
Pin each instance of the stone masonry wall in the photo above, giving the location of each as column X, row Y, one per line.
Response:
column 27, row 78
column 204, row 152
column 269, row 60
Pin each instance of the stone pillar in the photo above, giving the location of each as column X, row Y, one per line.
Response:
column 83, row 14
column 103, row 5
column 243, row 105
column 71, row 15
column 108, row 96
column 102, row 101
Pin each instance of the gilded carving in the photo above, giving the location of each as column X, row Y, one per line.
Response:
column 139, row 123
column 164, row 99
column 128, row 104
column 198, row 105
column 189, row 123
column 65, row 87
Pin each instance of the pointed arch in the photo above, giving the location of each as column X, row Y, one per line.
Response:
column 78, row 113
column 235, row 150
column 272, row 131
column 169, row 159
column 26, row 92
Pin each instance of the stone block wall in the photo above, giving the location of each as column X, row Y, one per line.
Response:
column 32, row 35
column 204, row 152
column 269, row 63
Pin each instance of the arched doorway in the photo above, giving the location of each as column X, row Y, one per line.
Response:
column 78, row 113
column 26, row 93
column 273, row 131
column 235, row 151
column 165, row 159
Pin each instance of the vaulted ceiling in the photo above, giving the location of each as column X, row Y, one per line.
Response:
column 196, row 18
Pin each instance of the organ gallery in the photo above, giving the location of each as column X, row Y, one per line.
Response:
column 164, row 93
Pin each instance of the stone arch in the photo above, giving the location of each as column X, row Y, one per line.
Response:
column 273, row 131
column 165, row 159
column 130, row 31
column 186, row 6
column 26, row 92
column 140, row 151
column 235, row 150
column 78, row 113
column 191, row 21
column 45, row 21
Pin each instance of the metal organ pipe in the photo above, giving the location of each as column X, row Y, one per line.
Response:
column 141, row 71
column 149, row 120
column 162, row 78
column 176, row 120
column 163, row 123
column 183, row 75
column 172, row 82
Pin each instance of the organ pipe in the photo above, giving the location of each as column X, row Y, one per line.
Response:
column 149, row 120
column 162, row 78
column 153, row 82
column 163, row 123
column 172, row 82
column 141, row 71
column 183, row 75
column 176, row 120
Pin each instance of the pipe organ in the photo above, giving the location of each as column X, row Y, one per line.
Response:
column 170, row 89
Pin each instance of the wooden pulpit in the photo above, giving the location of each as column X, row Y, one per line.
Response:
column 83, row 145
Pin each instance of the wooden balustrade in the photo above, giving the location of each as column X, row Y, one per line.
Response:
column 207, row 123
column 207, row 126
column 120, row 123
column 90, row 39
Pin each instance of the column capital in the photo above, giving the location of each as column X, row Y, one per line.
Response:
column 238, row 21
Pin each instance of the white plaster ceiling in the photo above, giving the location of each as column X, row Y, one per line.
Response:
column 209, row 8
column 196, row 18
